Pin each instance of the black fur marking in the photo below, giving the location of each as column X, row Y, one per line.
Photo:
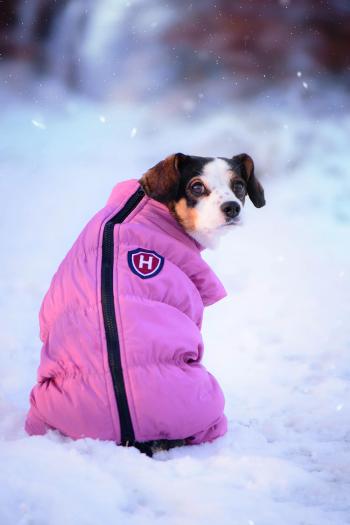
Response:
column 189, row 168
column 238, row 176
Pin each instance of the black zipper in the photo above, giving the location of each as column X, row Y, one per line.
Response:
column 109, row 318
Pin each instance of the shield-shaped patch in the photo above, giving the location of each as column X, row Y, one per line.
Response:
column 145, row 263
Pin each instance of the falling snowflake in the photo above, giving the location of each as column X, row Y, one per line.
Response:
column 133, row 132
column 102, row 119
column 38, row 124
column 299, row 74
column 339, row 407
column 305, row 85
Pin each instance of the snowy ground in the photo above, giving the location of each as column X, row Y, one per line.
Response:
column 278, row 344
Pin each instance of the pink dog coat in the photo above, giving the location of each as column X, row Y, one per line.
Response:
column 120, row 326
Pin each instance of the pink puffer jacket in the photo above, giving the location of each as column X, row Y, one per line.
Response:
column 120, row 326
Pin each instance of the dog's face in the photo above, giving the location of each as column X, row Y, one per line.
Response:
column 205, row 194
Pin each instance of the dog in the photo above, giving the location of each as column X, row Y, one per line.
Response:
column 120, row 323
column 206, row 195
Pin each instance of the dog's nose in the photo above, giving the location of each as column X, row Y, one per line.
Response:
column 230, row 209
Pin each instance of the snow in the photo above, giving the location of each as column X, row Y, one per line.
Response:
column 278, row 344
column 38, row 124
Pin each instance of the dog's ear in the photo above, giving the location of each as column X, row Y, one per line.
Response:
column 162, row 181
column 254, row 188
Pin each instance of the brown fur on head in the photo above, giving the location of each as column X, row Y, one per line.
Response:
column 161, row 182
column 204, row 193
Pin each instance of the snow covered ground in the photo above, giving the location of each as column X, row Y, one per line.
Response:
column 279, row 344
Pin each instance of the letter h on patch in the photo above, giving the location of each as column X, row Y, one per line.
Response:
column 145, row 263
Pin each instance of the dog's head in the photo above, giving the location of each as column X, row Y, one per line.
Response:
column 205, row 194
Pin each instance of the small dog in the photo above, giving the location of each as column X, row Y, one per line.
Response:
column 120, row 324
column 205, row 194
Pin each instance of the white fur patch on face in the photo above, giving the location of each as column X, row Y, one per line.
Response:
column 210, row 220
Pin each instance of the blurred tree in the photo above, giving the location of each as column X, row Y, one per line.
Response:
column 256, row 41
column 8, row 20
column 265, row 38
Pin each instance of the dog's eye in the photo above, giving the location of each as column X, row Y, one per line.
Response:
column 197, row 188
column 239, row 188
